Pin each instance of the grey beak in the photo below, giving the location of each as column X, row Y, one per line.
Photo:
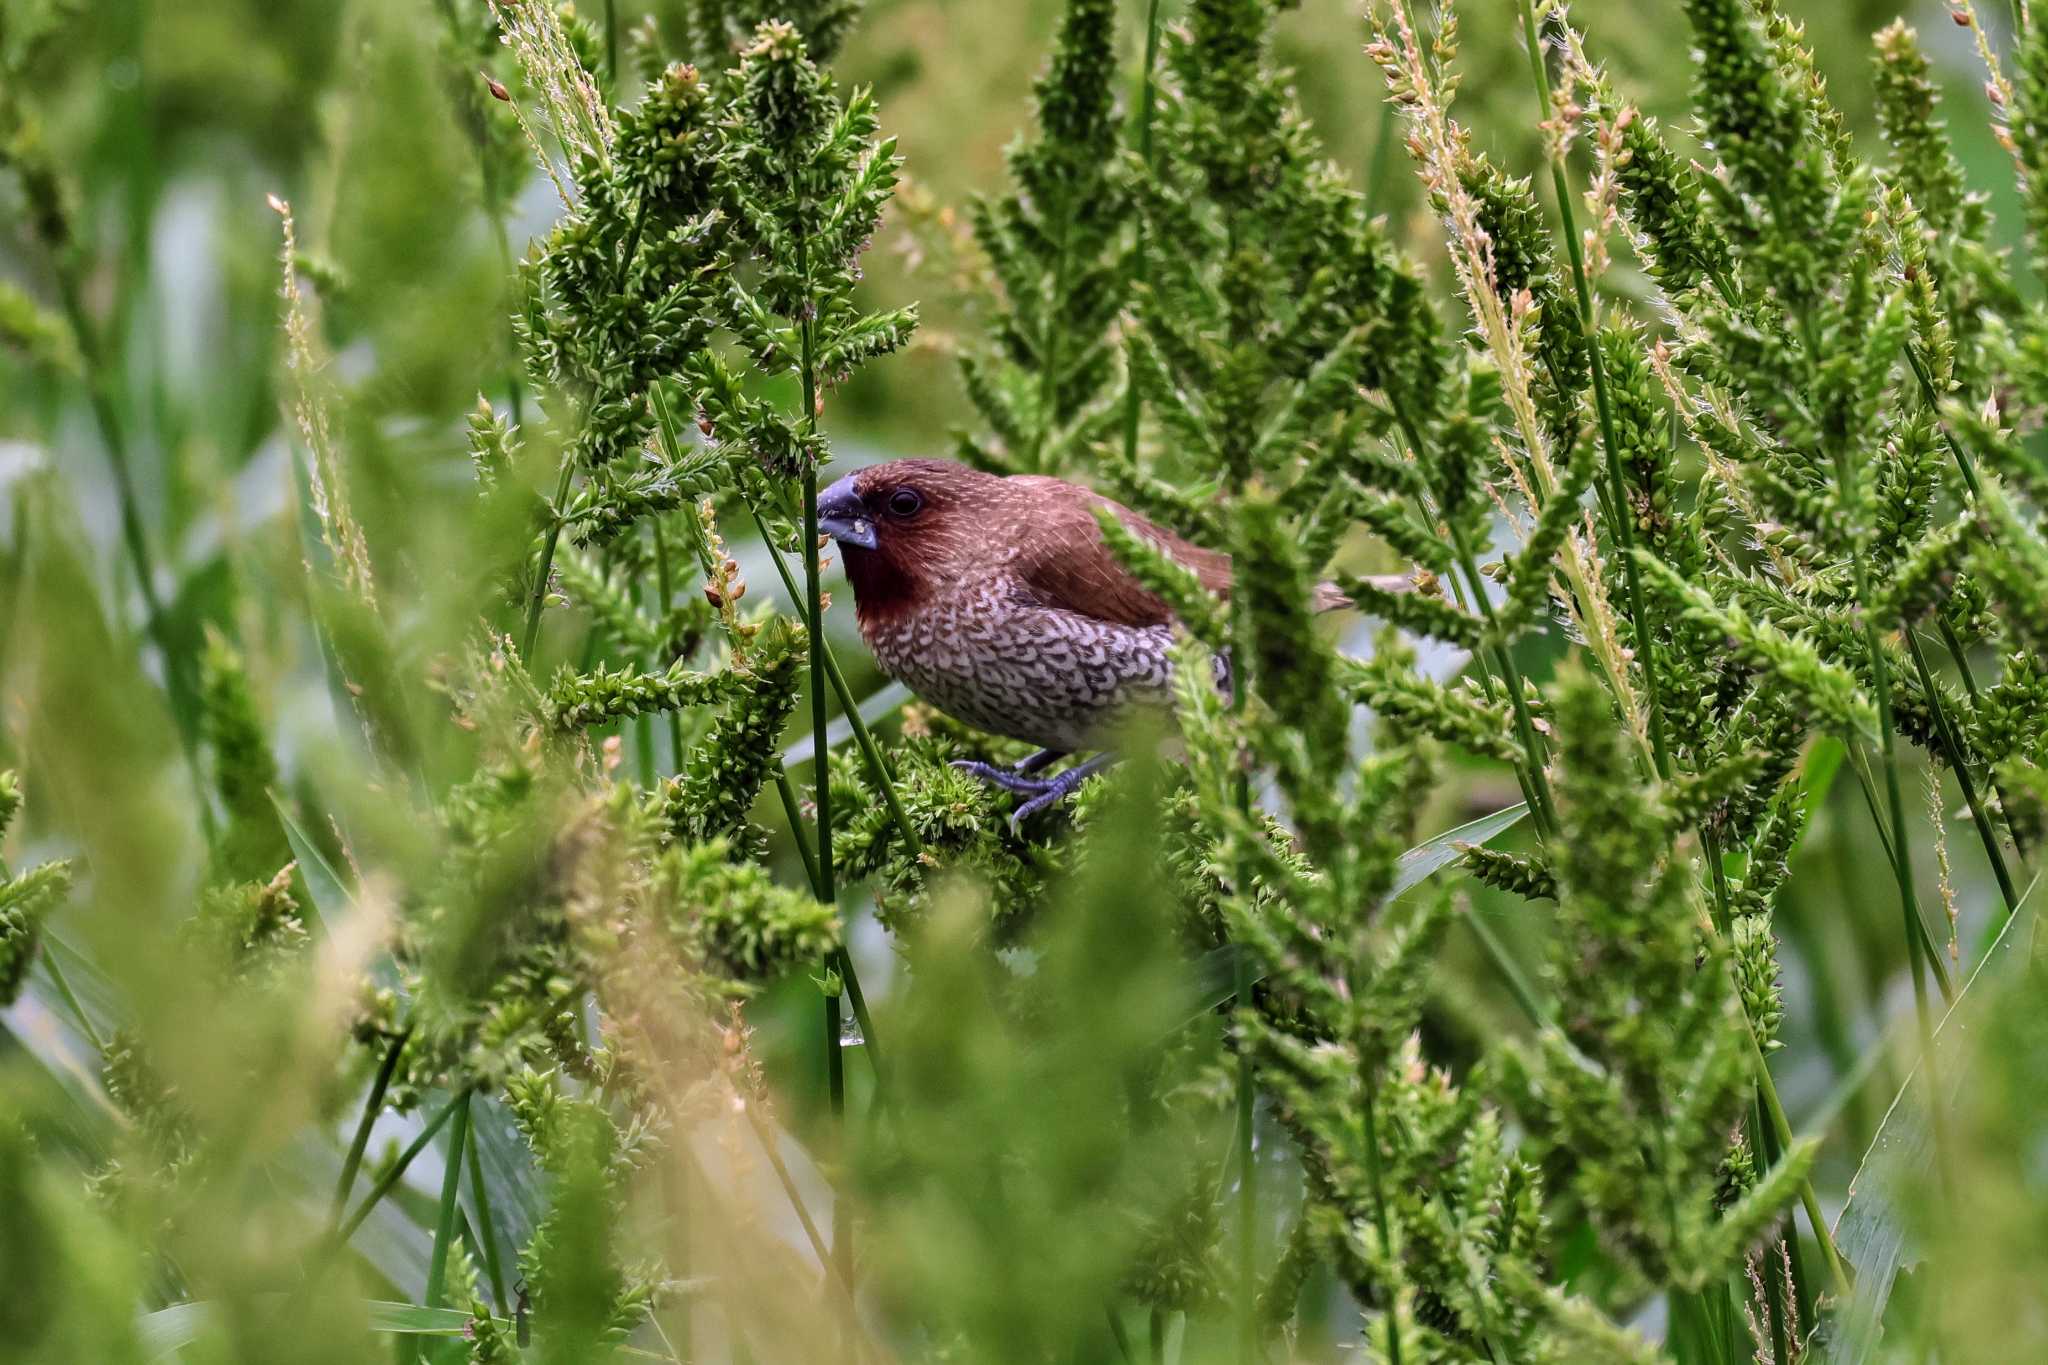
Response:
column 844, row 517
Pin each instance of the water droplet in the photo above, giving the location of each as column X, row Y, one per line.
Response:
column 849, row 1031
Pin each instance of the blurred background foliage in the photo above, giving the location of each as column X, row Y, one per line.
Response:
column 171, row 123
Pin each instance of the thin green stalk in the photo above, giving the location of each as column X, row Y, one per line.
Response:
column 397, row 1171
column 1776, row 1288
column 1379, row 1210
column 835, row 1086
column 1762, row 1135
column 766, row 1135
column 1782, row 1129
column 1510, row 970
column 178, row 679
column 821, row 748
column 1959, row 763
column 373, row 1105
column 787, row 791
column 1535, row 786
column 842, row 961
column 451, row 1202
column 666, row 586
column 1544, row 808
column 1140, row 268
column 546, row 566
column 1617, row 490
column 1247, row 1096
column 1478, row 656
column 1902, row 853
column 1964, row 464
column 1968, row 469
column 177, row 668
column 863, row 736
column 1766, row 1087
column 1867, row 786
column 632, row 244
column 487, row 1234
column 1247, row 1184
column 1961, row 653
column 1158, row 1336
column 643, row 724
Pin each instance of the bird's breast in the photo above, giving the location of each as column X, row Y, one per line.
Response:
column 989, row 655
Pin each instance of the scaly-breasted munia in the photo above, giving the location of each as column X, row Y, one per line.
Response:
column 996, row 600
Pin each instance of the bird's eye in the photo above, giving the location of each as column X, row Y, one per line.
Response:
column 905, row 502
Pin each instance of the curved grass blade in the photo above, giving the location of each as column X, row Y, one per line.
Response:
column 168, row 1331
column 1871, row 1230
column 324, row 885
column 1425, row 860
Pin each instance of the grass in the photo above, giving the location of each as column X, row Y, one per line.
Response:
column 1202, row 1052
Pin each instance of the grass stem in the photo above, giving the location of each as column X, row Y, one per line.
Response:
column 1140, row 269
column 1959, row 763
column 546, row 567
column 373, row 1105
column 1544, row 807
column 878, row 770
column 390, row 1180
column 451, row 1202
column 1379, row 1207
column 665, row 585
column 1617, row 495
column 1247, row 1183
column 487, row 1233
column 821, row 756
column 113, row 437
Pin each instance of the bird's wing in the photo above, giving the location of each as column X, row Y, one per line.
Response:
column 1063, row 561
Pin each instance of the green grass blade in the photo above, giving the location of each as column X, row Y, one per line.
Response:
column 1872, row 1228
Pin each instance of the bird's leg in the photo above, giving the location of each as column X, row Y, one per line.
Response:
column 1060, row 787
column 1017, row 779
column 1044, row 758
column 1043, row 791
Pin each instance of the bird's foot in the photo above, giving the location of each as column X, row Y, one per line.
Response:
column 1018, row 780
column 1041, row 791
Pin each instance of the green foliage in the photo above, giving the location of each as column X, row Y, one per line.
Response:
column 252, row 845
column 427, row 934
column 1057, row 243
column 26, row 901
column 1646, row 1075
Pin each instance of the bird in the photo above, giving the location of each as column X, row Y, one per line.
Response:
column 996, row 599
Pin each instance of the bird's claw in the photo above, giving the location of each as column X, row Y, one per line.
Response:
column 1042, row 791
column 1055, row 791
column 1009, row 779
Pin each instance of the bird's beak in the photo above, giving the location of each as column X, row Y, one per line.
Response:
column 844, row 517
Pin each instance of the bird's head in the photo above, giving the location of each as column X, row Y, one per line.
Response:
column 908, row 527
